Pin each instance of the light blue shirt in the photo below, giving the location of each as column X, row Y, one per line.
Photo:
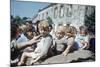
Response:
column 78, row 40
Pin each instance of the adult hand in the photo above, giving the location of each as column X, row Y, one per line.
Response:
column 35, row 39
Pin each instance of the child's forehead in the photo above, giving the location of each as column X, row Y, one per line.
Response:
column 43, row 27
column 59, row 31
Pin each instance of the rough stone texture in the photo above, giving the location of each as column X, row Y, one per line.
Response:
column 76, row 56
column 81, row 55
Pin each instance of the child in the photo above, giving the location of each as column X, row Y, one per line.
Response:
column 30, row 34
column 30, row 26
column 63, row 43
column 82, row 39
column 70, row 34
column 42, row 46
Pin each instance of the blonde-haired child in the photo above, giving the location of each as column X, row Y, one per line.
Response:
column 70, row 34
column 42, row 46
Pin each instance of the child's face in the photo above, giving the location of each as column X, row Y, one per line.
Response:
column 43, row 32
column 82, row 31
column 28, row 25
column 30, row 35
column 59, row 34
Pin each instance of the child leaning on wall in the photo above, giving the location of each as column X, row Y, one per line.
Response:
column 70, row 34
column 82, row 38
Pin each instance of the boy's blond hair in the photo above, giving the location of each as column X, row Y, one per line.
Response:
column 44, row 25
column 62, row 29
column 71, row 31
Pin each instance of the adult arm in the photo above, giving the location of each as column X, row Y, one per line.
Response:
column 28, row 43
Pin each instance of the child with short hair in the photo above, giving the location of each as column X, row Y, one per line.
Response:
column 42, row 46
column 82, row 39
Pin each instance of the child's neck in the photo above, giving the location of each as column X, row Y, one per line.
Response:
column 60, row 38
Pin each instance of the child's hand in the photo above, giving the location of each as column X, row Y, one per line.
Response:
column 85, row 45
column 20, row 63
column 64, row 53
column 32, row 62
column 82, row 42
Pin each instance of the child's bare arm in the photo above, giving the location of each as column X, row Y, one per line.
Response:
column 70, row 44
column 85, row 45
column 67, row 50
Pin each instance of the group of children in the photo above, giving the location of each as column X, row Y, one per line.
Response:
column 62, row 41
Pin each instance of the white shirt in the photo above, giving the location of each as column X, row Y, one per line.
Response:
column 44, row 45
